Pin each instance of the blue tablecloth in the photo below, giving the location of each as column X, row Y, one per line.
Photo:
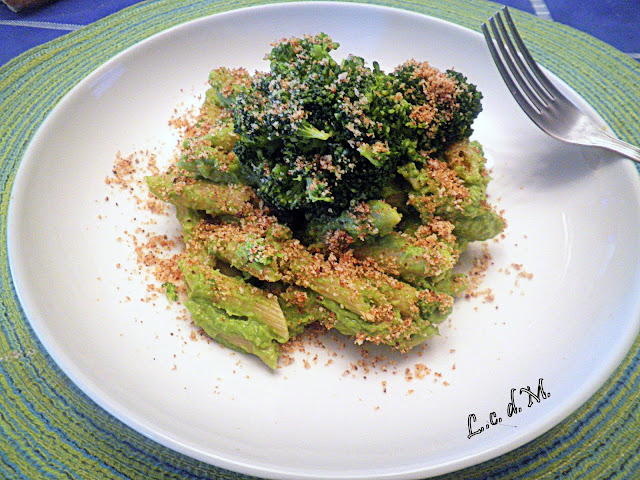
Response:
column 616, row 22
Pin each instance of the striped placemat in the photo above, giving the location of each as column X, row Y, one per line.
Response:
column 50, row 429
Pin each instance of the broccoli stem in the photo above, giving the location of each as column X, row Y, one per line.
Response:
column 212, row 163
column 306, row 130
column 366, row 220
column 219, row 135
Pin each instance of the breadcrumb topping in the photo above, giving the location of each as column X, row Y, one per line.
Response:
column 437, row 88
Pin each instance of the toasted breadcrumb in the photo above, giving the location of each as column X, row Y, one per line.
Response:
column 477, row 274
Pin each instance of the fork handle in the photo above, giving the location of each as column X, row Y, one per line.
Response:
column 610, row 142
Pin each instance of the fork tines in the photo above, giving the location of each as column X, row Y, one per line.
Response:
column 549, row 109
column 519, row 70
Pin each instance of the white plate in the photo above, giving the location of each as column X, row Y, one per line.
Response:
column 573, row 223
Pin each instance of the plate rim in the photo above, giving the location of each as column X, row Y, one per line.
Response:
column 234, row 11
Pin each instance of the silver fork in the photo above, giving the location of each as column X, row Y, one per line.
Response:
column 547, row 107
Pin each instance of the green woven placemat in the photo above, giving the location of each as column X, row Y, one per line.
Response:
column 50, row 429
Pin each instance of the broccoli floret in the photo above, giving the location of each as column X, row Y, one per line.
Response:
column 316, row 135
column 428, row 109
column 469, row 106
column 170, row 291
column 302, row 126
column 361, row 222
column 225, row 84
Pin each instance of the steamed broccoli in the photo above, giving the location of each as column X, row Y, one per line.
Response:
column 425, row 109
column 317, row 136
